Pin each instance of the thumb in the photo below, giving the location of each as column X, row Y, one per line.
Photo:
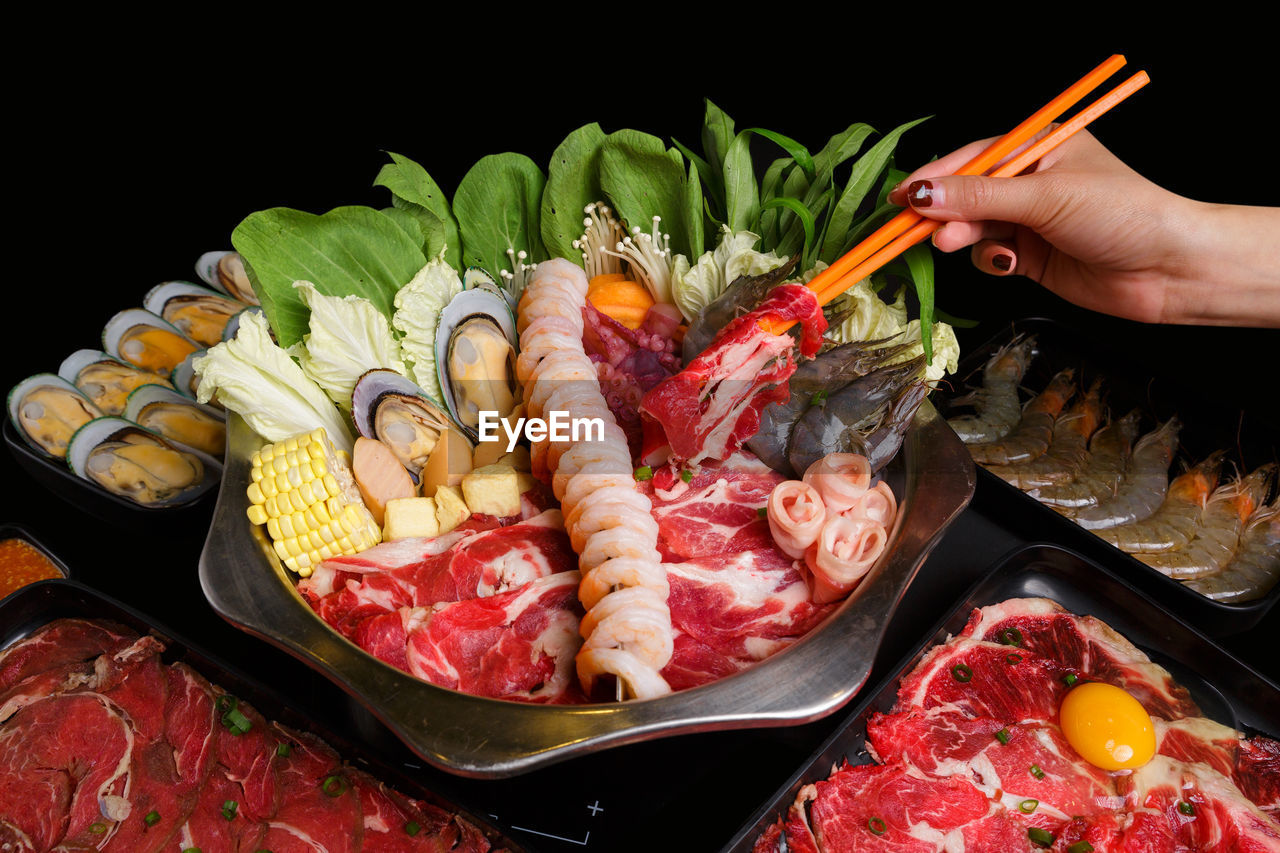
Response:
column 1021, row 200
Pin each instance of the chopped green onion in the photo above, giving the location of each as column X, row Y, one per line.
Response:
column 229, row 809
column 762, row 512
column 686, row 475
column 283, row 750
column 412, row 827
column 1010, row 637
column 877, row 826
column 192, row 850
column 334, row 786
column 1069, row 679
column 151, row 818
column 1003, row 736
column 1028, row 806
column 97, row 828
column 1039, row 836
column 1186, row 808
column 818, row 398
column 644, row 473
column 1036, row 771
column 961, row 672
column 1012, row 658
column 237, row 722
column 1080, row 847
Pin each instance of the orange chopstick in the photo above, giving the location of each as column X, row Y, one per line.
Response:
column 922, row 229
column 991, row 155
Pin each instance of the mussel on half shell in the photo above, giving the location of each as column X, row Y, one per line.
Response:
column 475, row 357
column 146, row 340
column 179, row 418
column 105, row 380
column 138, row 465
column 225, row 271
column 392, row 409
column 47, row 410
column 197, row 312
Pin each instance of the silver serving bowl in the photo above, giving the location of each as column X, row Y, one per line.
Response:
column 246, row 584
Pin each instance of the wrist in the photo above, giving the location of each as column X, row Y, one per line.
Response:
column 1227, row 267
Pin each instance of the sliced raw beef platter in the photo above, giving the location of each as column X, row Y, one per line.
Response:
column 104, row 746
column 985, row 750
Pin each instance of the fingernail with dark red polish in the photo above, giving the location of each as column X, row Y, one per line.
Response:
column 920, row 193
column 1002, row 262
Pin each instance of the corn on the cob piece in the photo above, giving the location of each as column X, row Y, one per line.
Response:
column 304, row 492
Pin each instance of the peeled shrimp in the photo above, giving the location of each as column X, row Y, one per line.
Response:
column 1173, row 524
column 1218, row 533
column 1253, row 571
column 1146, row 480
column 635, row 618
column 1031, row 437
column 641, row 680
column 998, row 407
column 1102, row 471
column 1068, row 450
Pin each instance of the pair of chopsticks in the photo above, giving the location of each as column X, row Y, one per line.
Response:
column 909, row 228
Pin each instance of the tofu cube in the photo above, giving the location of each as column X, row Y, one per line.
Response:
column 492, row 490
column 410, row 517
column 451, row 509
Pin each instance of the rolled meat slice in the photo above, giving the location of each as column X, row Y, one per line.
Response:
column 877, row 504
column 844, row 551
column 796, row 514
column 840, row 478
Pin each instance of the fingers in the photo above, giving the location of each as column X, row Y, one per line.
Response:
column 1021, row 200
column 995, row 257
column 942, row 166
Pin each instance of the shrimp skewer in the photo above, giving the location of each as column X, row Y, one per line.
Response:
column 1102, row 471
column 1144, row 485
column 1173, row 525
column 1253, row 571
column 1218, row 534
column 626, row 631
column 997, row 403
column 1031, row 437
column 1067, row 453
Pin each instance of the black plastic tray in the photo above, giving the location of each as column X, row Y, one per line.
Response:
column 1208, row 425
column 1234, row 695
column 37, row 604
column 88, row 497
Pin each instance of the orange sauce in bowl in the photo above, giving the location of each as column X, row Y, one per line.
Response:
column 22, row 563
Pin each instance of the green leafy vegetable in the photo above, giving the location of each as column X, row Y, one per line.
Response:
column 414, row 192
column 260, row 382
column 418, row 305
column 498, row 205
column 572, row 183
column 347, row 337
column 349, row 251
column 643, row 179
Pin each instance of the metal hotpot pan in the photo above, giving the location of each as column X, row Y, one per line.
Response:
column 246, row 584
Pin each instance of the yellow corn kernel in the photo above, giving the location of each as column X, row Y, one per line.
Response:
column 257, row 515
column 255, row 494
column 268, row 487
column 273, row 528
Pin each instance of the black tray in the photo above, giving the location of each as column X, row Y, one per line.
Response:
column 1208, row 425
column 42, row 602
column 1236, row 696
column 88, row 497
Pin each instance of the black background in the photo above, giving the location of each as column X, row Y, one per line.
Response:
column 132, row 155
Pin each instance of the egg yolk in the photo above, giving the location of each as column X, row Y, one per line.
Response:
column 1107, row 726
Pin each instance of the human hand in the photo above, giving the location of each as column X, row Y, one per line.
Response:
column 1098, row 234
